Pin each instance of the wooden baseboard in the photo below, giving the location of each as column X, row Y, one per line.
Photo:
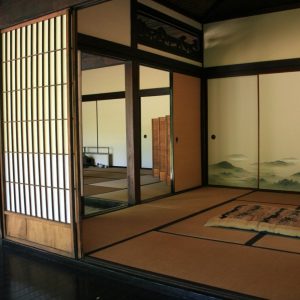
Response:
column 44, row 234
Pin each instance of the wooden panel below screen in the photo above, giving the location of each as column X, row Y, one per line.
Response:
column 186, row 131
column 53, row 235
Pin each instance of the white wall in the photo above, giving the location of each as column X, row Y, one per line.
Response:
column 264, row 37
column 153, row 78
column 112, row 129
column 111, row 121
column 89, row 124
column 109, row 21
column 103, row 80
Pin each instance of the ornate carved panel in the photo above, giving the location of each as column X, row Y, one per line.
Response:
column 162, row 32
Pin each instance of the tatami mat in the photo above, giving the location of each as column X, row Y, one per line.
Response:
column 123, row 183
column 195, row 227
column 90, row 180
column 147, row 191
column 273, row 197
column 279, row 243
column 109, row 175
column 103, row 230
column 89, row 190
column 248, row 270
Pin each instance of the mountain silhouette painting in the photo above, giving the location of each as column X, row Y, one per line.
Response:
column 281, row 174
column 275, row 175
column 225, row 173
column 276, row 163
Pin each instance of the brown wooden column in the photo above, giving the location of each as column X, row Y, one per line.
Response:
column 133, row 131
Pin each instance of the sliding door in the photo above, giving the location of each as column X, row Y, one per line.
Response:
column 36, row 122
column 254, row 131
column 186, row 131
column 279, row 96
column 233, row 131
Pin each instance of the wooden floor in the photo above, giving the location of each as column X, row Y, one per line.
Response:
column 168, row 237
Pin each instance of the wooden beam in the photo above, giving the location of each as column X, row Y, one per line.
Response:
column 121, row 95
column 133, row 131
column 2, row 158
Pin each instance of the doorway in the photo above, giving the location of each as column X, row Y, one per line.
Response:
column 103, row 125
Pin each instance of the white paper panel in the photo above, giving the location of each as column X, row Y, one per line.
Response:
column 36, row 120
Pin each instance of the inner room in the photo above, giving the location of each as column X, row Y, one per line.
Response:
column 103, row 111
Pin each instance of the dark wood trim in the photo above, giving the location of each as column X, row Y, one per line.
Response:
column 133, row 23
column 258, row 131
column 211, row 10
column 265, row 67
column 103, row 96
column 2, row 152
column 154, row 92
column 133, row 131
column 172, row 6
column 204, row 131
column 98, row 46
column 72, row 119
column 121, row 95
column 255, row 12
column 76, row 152
column 172, row 135
column 168, row 19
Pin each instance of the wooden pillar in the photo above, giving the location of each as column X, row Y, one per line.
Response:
column 133, row 131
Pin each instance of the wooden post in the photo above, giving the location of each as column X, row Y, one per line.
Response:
column 133, row 131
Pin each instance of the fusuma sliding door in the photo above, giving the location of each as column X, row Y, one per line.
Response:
column 279, row 96
column 186, row 131
column 233, row 131
column 36, row 122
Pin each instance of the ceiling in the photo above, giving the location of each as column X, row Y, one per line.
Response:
column 206, row 11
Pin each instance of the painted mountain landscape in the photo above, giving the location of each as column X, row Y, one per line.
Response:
column 281, row 174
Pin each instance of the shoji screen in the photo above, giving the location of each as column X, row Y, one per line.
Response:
column 35, row 119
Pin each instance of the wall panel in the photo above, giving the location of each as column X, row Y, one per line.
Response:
column 109, row 21
column 258, row 38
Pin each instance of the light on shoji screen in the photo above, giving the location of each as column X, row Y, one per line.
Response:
column 35, row 119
